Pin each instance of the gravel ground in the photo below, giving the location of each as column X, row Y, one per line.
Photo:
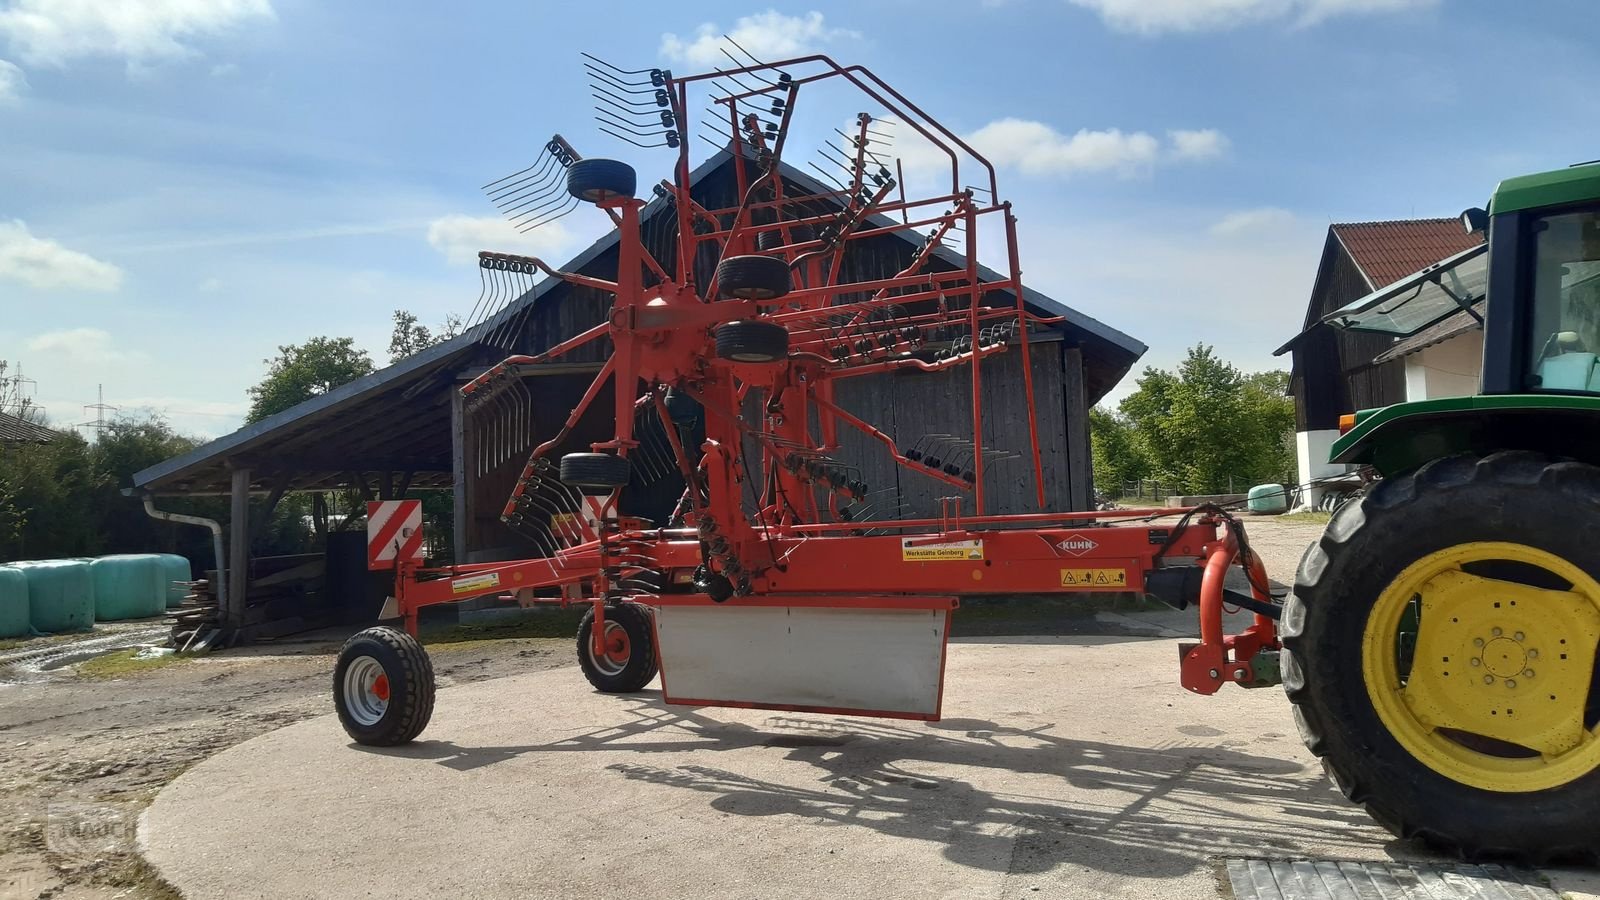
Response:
column 80, row 758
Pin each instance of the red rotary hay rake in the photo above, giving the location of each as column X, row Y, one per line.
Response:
column 766, row 588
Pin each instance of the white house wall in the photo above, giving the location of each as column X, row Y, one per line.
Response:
column 1447, row 369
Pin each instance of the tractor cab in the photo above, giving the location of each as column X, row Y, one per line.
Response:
column 1534, row 284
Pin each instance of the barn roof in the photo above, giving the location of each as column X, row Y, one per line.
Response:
column 377, row 416
column 17, row 430
column 1386, row 252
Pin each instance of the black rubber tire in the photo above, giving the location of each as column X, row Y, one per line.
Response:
column 641, row 667
column 753, row 277
column 682, row 408
column 1514, row 495
column 594, row 180
column 752, row 341
column 411, row 686
column 768, row 241
column 595, row 472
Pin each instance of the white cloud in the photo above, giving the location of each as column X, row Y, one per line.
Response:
column 1035, row 148
column 1252, row 221
column 769, row 36
column 1207, row 143
column 46, row 265
column 56, row 32
column 1150, row 17
column 460, row 238
column 81, row 345
column 12, row 82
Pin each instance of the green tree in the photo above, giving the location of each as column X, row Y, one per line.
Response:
column 1206, row 425
column 49, row 509
column 303, row 371
column 410, row 337
column 1118, row 455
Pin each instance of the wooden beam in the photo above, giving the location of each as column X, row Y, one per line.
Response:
column 238, row 549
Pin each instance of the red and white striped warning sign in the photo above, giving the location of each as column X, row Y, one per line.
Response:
column 572, row 529
column 394, row 532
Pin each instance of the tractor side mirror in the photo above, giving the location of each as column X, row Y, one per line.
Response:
column 1475, row 220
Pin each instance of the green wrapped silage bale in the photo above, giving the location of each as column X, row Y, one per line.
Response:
column 128, row 586
column 60, row 595
column 174, row 569
column 13, row 603
column 1268, row 498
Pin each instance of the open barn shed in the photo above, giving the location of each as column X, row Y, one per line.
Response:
column 407, row 428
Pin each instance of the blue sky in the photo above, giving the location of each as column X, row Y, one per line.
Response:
column 186, row 184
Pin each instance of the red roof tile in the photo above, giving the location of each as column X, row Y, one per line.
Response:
column 1389, row 251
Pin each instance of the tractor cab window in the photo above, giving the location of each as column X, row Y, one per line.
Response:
column 1564, row 336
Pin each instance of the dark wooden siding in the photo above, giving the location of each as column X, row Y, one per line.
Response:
column 1334, row 373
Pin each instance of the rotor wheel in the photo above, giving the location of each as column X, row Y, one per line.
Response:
column 753, row 277
column 597, row 180
column 752, row 341
column 383, row 687
column 628, row 661
column 1441, row 655
column 595, row 473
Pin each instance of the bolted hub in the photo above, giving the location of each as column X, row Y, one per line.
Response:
column 1504, row 657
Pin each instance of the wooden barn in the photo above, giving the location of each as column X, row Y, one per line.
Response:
column 406, row 428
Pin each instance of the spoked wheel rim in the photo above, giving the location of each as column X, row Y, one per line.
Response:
column 366, row 690
column 1480, row 660
column 618, row 648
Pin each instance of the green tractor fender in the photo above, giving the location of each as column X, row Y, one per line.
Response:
column 1399, row 438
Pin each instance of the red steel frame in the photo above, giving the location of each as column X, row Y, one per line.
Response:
column 797, row 549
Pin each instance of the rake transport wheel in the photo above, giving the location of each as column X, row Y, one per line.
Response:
column 383, row 687
column 1441, row 642
column 595, row 180
column 752, row 341
column 753, row 277
column 629, row 660
column 595, row 472
column 768, row 241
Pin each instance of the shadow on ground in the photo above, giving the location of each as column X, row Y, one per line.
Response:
column 1156, row 812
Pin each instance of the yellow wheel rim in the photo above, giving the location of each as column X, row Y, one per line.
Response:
column 1481, row 667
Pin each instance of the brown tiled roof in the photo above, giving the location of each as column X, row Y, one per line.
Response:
column 1389, row 251
column 20, row 431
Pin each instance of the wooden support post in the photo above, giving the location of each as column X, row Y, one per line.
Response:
column 461, row 485
column 238, row 550
column 1080, row 461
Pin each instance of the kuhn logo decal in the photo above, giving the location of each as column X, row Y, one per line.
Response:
column 1076, row 544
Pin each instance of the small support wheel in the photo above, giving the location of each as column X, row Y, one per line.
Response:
column 768, row 241
column 383, row 687
column 752, row 341
column 629, row 660
column 682, row 408
column 753, row 277
column 595, row 473
column 597, row 180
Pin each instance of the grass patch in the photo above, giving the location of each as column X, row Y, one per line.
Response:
column 124, row 663
column 533, row 623
column 1311, row 517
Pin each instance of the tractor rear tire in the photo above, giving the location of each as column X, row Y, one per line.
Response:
column 1374, row 697
column 631, row 636
column 383, row 687
column 592, row 473
column 753, row 277
column 752, row 341
column 596, row 180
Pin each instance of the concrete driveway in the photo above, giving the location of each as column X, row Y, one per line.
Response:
column 1066, row 767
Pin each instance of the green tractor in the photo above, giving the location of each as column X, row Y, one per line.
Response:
column 1441, row 636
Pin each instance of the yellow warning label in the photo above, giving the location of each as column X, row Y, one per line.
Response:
column 1110, row 579
column 911, row 551
column 474, row 583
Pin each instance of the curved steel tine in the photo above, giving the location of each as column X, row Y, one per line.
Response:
column 616, row 68
column 551, row 201
column 544, row 168
column 530, row 196
column 603, row 95
column 737, row 62
column 627, row 87
column 519, row 195
column 572, row 205
column 619, row 137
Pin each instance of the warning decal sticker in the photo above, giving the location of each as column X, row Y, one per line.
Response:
column 911, row 551
column 475, row 583
column 1109, row 579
